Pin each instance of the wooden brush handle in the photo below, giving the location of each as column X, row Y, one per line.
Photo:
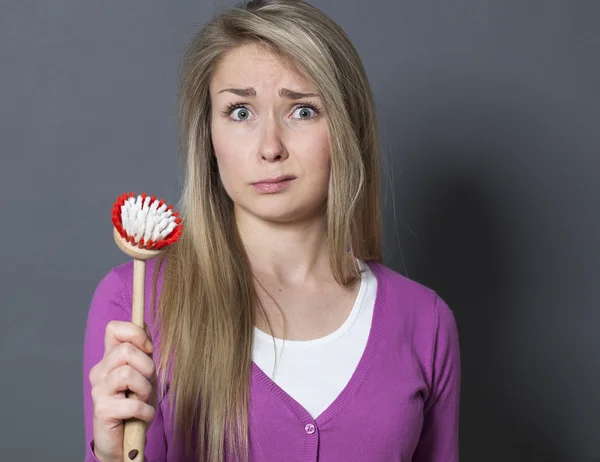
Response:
column 134, row 439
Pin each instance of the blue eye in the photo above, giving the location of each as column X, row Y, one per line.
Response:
column 238, row 112
column 242, row 113
column 305, row 112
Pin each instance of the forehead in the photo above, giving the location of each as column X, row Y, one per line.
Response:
column 257, row 66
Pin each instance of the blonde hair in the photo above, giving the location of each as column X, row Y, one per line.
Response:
column 206, row 308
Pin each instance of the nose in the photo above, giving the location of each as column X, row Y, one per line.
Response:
column 271, row 147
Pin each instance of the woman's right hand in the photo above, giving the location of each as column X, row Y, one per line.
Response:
column 126, row 365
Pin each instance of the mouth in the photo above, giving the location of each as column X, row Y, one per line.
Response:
column 273, row 185
column 278, row 179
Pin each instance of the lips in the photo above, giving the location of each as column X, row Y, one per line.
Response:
column 273, row 185
column 277, row 179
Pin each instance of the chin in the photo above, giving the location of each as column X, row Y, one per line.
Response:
column 283, row 213
column 279, row 216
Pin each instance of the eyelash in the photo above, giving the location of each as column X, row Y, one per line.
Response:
column 236, row 105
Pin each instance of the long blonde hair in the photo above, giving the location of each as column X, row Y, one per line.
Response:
column 207, row 303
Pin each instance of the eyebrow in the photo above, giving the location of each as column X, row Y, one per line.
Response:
column 284, row 93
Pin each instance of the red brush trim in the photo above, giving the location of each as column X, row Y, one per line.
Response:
column 117, row 221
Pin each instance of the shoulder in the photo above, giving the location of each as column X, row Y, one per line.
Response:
column 396, row 289
column 415, row 314
column 420, row 305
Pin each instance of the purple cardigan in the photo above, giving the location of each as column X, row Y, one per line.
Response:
column 401, row 404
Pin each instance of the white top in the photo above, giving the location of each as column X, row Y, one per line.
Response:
column 314, row 372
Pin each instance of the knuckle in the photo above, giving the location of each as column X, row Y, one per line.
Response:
column 125, row 372
column 127, row 349
column 92, row 374
column 94, row 394
column 101, row 409
column 110, row 326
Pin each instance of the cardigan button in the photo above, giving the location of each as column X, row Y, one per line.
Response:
column 309, row 428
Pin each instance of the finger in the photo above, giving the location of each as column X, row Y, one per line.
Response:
column 123, row 354
column 118, row 332
column 149, row 334
column 117, row 409
column 122, row 379
column 147, row 330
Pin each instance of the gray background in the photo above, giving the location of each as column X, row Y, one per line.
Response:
column 489, row 113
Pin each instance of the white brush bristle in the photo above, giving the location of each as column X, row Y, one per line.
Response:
column 147, row 220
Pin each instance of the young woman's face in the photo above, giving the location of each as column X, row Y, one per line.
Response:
column 270, row 137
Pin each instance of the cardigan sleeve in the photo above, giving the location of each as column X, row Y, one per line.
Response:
column 111, row 300
column 439, row 435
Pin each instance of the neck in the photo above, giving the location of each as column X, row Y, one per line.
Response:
column 291, row 253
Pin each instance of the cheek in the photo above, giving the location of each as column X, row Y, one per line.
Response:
column 321, row 157
column 228, row 159
column 221, row 142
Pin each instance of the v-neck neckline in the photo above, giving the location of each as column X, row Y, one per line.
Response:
column 358, row 376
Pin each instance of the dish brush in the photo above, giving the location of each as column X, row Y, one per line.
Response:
column 143, row 227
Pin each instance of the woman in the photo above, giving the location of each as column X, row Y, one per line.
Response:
column 282, row 241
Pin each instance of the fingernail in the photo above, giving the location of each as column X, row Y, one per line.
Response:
column 133, row 454
column 149, row 346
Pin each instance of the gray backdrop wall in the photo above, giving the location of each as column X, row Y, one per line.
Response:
column 489, row 113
